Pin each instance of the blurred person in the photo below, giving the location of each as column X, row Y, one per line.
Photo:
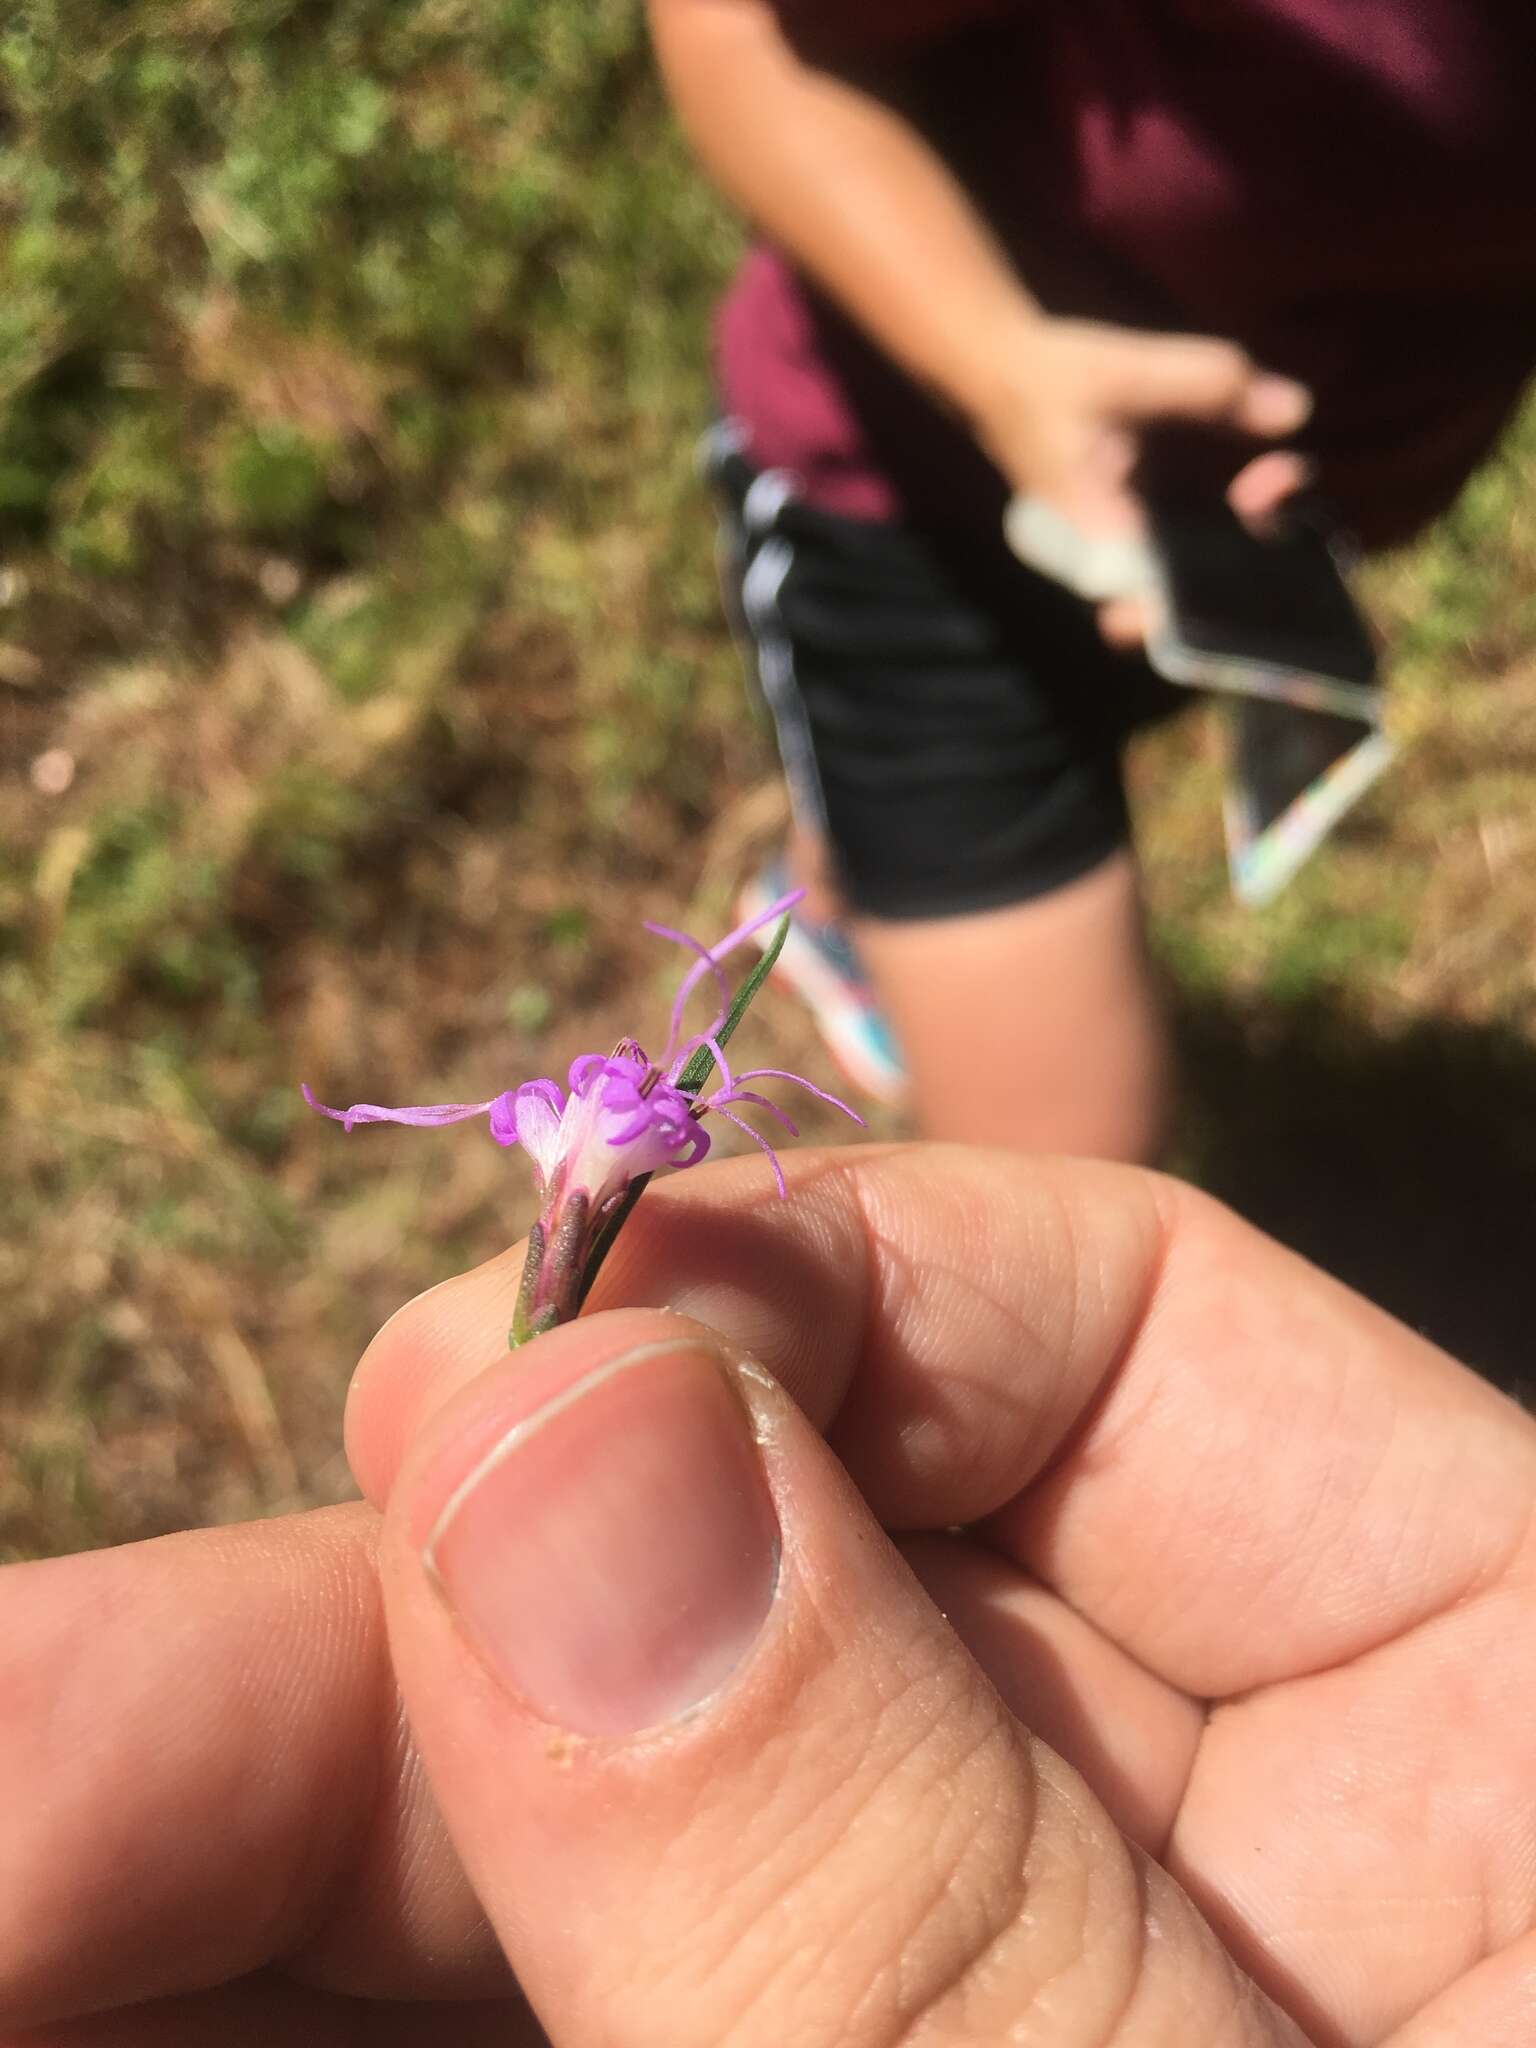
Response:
column 1003, row 239
column 1188, row 1702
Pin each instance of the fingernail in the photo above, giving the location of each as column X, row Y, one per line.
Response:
column 614, row 1557
column 1277, row 405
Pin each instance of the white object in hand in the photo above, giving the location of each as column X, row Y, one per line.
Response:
column 1095, row 567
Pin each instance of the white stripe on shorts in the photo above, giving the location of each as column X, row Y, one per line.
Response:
column 760, row 589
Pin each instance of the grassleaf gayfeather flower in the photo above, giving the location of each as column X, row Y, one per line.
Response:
column 594, row 1144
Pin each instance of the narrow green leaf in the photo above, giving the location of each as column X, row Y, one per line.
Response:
column 702, row 1065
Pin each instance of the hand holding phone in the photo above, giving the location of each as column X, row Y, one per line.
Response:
column 1270, row 615
column 1267, row 621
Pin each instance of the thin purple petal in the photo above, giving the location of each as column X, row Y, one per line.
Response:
column 726, row 1095
column 505, row 1127
column 706, row 961
column 617, row 1091
column 758, row 1139
column 536, row 1110
column 699, row 1138
column 783, row 1074
column 639, row 1124
column 690, row 1046
column 619, row 1095
column 717, row 952
column 583, row 1069
column 375, row 1113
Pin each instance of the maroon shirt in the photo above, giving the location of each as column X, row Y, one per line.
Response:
column 1347, row 187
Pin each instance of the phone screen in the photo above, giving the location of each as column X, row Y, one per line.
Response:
column 1277, row 603
column 1270, row 625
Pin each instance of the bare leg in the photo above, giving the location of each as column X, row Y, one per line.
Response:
column 1036, row 1026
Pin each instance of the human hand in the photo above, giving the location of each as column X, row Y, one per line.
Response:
column 1066, row 410
column 1252, row 1558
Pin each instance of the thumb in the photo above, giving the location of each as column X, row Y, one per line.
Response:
column 718, row 1770
column 1196, row 377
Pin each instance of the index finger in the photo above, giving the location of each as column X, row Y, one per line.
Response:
column 1232, row 1465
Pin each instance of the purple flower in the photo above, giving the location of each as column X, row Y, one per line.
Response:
column 625, row 1116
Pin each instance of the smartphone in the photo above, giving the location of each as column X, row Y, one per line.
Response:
column 1268, row 626
column 1271, row 616
column 1271, row 624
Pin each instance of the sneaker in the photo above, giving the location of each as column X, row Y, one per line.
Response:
column 820, row 964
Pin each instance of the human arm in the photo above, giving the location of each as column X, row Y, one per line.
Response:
column 837, row 175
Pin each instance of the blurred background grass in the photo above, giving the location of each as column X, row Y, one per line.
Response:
column 362, row 684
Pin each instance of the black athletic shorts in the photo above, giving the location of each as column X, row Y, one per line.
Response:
column 950, row 721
